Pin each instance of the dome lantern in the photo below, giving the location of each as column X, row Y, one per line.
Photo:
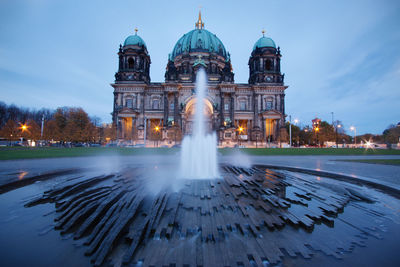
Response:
column 135, row 40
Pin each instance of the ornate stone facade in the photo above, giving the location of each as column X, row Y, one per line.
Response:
column 245, row 112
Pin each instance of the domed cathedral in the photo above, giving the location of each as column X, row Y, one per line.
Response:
column 249, row 114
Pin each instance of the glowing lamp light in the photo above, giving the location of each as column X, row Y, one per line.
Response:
column 316, row 129
column 369, row 144
column 240, row 129
column 296, row 121
column 157, row 128
column 24, row 127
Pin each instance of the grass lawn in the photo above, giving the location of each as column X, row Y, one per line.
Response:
column 50, row 152
column 9, row 153
column 376, row 161
column 310, row 151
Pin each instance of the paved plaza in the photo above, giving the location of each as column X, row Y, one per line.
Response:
column 133, row 210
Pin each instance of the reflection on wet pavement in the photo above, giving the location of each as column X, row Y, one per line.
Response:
column 22, row 174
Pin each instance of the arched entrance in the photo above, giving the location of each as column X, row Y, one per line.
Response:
column 190, row 110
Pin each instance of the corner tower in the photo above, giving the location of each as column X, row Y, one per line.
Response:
column 265, row 62
column 134, row 61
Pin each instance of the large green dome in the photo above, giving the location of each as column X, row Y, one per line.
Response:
column 264, row 42
column 134, row 40
column 199, row 40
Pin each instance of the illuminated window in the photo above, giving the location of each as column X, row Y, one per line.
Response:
column 172, row 106
column 226, row 106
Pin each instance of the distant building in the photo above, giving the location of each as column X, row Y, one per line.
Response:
column 251, row 111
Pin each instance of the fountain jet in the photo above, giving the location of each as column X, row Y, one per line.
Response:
column 199, row 151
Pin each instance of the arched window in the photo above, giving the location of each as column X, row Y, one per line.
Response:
column 268, row 64
column 242, row 105
column 268, row 104
column 131, row 63
column 129, row 103
column 155, row 104
column 226, row 106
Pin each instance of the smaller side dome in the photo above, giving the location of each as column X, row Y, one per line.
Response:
column 134, row 40
column 264, row 42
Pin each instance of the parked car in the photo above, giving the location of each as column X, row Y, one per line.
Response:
column 111, row 145
column 139, row 145
column 95, row 145
column 77, row 145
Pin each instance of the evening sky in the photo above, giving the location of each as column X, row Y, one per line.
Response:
column 338, row 56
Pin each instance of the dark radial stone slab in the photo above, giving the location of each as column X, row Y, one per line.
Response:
column 249, row 217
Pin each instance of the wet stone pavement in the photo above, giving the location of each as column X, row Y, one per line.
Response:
column 250, row 217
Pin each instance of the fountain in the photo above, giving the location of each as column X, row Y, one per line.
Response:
column 199, row 151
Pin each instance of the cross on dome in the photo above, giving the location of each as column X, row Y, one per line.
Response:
column 199, row 24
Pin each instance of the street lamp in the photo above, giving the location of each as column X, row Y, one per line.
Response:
column 290, row 131
column 240, row 129
column 41, row 128
column 157, row 129
column 145, row 131
column 337, row 126
column 316, row 129
column 296, row 121
column 290, row 128
column 352, row 128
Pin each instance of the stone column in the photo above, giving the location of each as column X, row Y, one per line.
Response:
column 114, row 117
column 255, row 109
column 121, row 63
column 123, row 127
column 119, row 129
column 263, row 129
column 232, row 107
column 278, row 99
column 221, row 109
column 176, row 109
column 165, row 108
column 277, row 128
column 143, row 103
